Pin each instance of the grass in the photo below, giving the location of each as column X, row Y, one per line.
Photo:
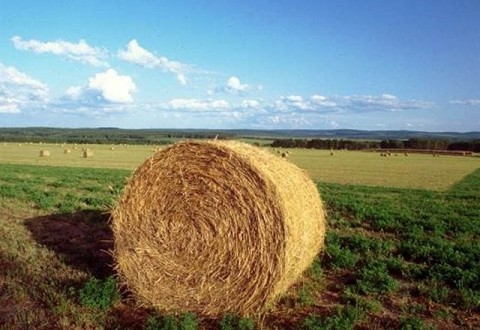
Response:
column 394, row 257
column 416, row 171
column 61, row 189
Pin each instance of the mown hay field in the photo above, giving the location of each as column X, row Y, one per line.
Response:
column 417, row 171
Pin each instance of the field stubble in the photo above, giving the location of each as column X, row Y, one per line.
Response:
column 417, row 171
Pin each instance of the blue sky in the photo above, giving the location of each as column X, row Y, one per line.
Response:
column 241, row 64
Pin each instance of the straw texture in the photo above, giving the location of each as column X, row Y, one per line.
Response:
column 216, row 227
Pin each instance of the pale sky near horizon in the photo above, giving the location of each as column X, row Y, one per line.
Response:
column 373, row 64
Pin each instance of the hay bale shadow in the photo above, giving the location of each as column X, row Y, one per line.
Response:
column 81, row 239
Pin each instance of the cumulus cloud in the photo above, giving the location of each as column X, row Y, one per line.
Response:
column 18, row 90
column 80, row 51
column 134, row 53
column 250, row 104
column 471, row 102
column 199, row 105
column 234, row 84
column 104, row 87
column 322, row 101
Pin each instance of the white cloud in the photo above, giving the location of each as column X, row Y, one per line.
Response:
column 250, row 104
column 80, row 51
column 297, row 102
column 104, row 87
column 334, row 124
column 134, row 53
column 294, row 99
column 234, row 84
column 322, row 101
column 355, row 103
column 114, row 87
column 18, row 90
column 384, row 102
column 199, row 105
column 181, row 79
column 285, row 120
column 471, row 102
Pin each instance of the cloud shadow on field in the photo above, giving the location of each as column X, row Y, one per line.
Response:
column 81, row 239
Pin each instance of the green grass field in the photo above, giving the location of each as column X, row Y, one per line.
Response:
column 418, row 171
column 402, row 250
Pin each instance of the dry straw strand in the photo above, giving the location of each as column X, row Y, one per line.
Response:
column 216, row 227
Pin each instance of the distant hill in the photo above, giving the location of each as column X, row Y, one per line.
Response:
column 162, row 136
column 358, row 134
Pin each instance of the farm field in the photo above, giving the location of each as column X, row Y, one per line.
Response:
column 400, row 253
column 418, row 171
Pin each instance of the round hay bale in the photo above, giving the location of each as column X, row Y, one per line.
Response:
column 112, row 148
column 44, row 153
column 87, row 153
column 216, row 227
column 67, row 151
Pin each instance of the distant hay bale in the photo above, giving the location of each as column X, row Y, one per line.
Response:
column 332, row 153
column 67, row 151
column 216, row 227
column 112, row 148
column 87, row 153
column 406, row 154
column 44, row 153
column 284, row 155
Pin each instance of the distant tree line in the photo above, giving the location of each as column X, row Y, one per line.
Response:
column 412, row 144
column 325, row 144
column 104, row 135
